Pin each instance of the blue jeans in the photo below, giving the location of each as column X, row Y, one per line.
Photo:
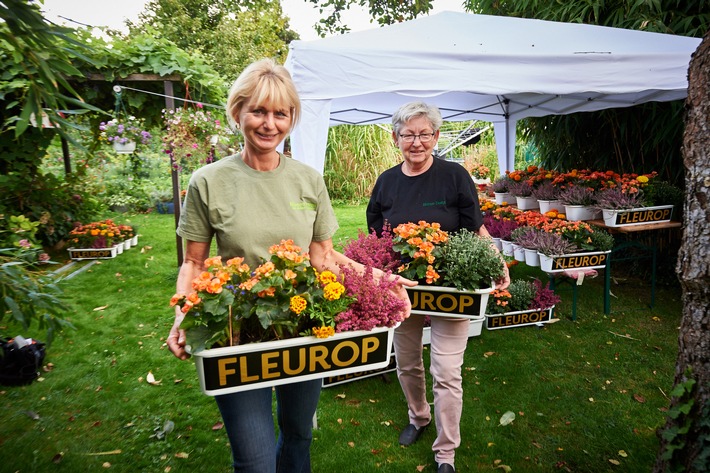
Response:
column 249, row 422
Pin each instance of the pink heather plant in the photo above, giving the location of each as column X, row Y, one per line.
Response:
column 374, row 251
column 375, row 305
column 544, row 296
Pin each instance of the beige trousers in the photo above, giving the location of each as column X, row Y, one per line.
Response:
column 448, row 343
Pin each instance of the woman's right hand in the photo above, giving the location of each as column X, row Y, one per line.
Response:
column 176, row 337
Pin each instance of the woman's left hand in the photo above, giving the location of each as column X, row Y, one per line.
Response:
column 504, row 281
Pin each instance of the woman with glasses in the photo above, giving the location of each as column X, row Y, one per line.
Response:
column 434, row 190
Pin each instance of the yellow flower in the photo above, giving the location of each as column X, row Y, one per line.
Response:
column 332, row 291
column 327, row 277
column 642, row 179
column 323, row 332
column 298, row 304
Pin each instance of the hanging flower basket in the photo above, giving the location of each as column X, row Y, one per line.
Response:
column 637, row 216
column 257, row 365
column 576, row 261
column 519, row 318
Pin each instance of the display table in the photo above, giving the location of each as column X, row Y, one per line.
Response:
column 651, row 249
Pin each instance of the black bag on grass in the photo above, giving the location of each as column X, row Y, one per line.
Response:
column 20, row 365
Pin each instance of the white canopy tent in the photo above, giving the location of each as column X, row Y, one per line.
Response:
column 479, row 67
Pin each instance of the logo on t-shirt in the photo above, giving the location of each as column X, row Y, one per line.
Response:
column 436, row 203
column 302, row 205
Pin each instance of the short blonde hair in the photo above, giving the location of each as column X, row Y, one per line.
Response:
column 266, row 83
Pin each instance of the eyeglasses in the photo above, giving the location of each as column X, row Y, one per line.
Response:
column 423, row 137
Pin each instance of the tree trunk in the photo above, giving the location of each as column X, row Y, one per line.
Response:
column 685, row 439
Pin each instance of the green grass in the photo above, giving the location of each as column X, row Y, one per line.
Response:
column 585, row 392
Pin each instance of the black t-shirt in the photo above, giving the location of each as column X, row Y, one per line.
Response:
column 445, row 193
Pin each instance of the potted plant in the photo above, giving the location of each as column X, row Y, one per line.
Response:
column 95, row 240
column 566, row 245
column 527, row 239
column 163, row 199
column 522, row 191
column 480, row 174
column 547, row 195
column 578, row 201
column 626, row 208
column 500, row 189
column 124, row 134
column 281, row 304
column 523, row 303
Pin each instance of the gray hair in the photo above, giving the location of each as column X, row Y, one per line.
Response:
column 414, row 110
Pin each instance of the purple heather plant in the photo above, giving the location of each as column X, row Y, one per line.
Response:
column 501, row 184
column 616, row 199
column 544, row 296
column 520, row 188
column 500, row 228
column 546, row 191
column 553, row 244
column 526, row 237
column 376, row 304
column 577, row 195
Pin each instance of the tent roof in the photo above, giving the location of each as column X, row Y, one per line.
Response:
column 490, row 68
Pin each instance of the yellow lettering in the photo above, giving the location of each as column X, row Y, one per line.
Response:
column 336, row 351
column 369, row 344
column 465, row 301
column 301, row 362
column 427, row 301
column 446, row 297
column 243, row 368
column 318, row 354
column 266, row 365
column 223, row 371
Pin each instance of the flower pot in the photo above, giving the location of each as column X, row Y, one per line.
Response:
column 507, row 247
column 475, row 327
column 257, row 365
column 581, row 212
column 637, row 216
column 448, row 301
column 124, row 148
column 547, row 205
column 497, row 243
column 527, row 203
column 518, row 252
column 481, row 182
column 559, row 263
column 503, row 197
column 91, row 253
column 134, row 241
column 519, row 318
column 127, row 244
column 119, row 248
column 531, row 257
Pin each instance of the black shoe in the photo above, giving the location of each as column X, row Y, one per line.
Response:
column 411, row 434
column 446, row 468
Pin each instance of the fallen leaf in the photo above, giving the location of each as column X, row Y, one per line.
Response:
column 146, row 249
column 340, row 421
column 56, row 459
column 354, row 422
column 507, row 418
column 181, row 455
column 151, row 379
column 340, row 396
column 505, row 468
column 385, row 423
column 490, row 444
column 112, row 452
column 351, row 444
column 623, row 454
column 375, row 451
column 421, row 467
column 614, row 462
column 168, row 469
column 100, row 308
column 106, row 465
column 488, row 353
column 639, row 398
column 118, row 275
column 591, row 399
column 553, row 321
column 373, row 401
column 218, row 426
column 32, row 415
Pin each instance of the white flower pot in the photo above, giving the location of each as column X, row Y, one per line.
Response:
column 527, row 203
column 497, row 243
column 532, row 258
column 481, row 182
column 258, row 365
column 581, row 212
column 119, row 248
column 134, row 241
column 507, row 247
column 547, row 205
column 518, row 253
column 443, row 301
column 637, row 216
column 575, row 261
column 127, row 244
column 503, row 197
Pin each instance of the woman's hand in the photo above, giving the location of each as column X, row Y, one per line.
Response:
column 504, row 281
column 399, row 290
column 176, row 337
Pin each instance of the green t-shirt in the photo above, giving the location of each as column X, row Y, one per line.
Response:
column 247, row 211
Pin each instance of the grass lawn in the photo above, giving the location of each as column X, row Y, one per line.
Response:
column 588, row 395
